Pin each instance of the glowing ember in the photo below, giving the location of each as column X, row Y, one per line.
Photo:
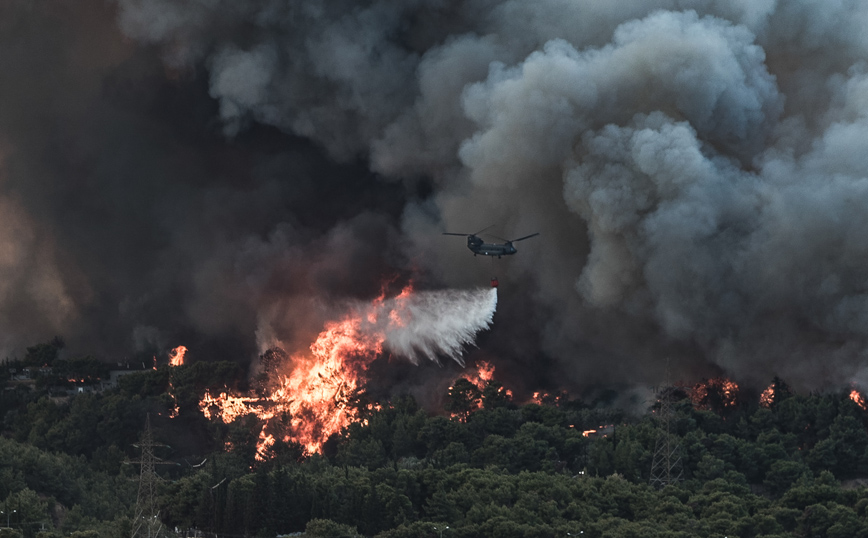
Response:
column 540, row 398
column 713, row 392
column 484, row 376
column 481, row 376
column 600, row 431
column 176, row 356
column 768, row 396
column 266, row 441
column 315, row 399
column 857, row 397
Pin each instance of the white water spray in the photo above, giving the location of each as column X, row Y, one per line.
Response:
column 439, row 323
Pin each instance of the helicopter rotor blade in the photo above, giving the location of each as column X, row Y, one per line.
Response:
column 523, row 238
column 462, row 235
column 482, row 230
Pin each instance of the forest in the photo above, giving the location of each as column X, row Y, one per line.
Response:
column 483, row 465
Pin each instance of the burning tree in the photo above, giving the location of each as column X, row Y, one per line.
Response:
column 464, row 398
column 308, row 396
column 774, row 393
column 716, row 394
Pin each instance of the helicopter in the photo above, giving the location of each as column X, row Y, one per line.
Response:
column 478, row 246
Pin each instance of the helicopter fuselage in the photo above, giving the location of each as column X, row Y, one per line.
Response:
column 478, row 246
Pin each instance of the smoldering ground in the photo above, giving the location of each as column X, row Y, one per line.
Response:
column 211, row 170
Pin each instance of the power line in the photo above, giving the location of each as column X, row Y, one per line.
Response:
column 146, row 523
column 666, row 465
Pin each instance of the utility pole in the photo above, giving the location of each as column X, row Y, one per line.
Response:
column 666, row 466
column 146, row 523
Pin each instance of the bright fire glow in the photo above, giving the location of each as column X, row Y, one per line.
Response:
column 480, row 376
column 176, row 356
column 311, row 395
column 316, row 395
column 768, row 396
column 540, row 398
column 725, row 389
column 857, row 397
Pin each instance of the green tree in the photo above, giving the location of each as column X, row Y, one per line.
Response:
column 782, row 475
column 326, row 528
column 463, row 398
column 29, row 508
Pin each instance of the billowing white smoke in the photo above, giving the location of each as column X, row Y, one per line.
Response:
column 431, row 324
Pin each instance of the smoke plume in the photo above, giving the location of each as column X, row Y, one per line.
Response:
column 209, row 172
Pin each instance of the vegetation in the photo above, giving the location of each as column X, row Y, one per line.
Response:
column 489, row 468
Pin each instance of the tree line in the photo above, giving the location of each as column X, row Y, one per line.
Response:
column 483, row 465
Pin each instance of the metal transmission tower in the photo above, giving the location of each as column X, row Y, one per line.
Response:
column 666, row 466
column 146, row 523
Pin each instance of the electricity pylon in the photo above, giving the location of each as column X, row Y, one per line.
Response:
column 666, row 466
column 146, row 523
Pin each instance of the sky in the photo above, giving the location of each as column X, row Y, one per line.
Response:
column 227, row 175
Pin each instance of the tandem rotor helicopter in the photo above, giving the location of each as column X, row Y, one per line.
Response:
column 478, row 246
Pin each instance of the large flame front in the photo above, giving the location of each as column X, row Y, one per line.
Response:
column 314, row 394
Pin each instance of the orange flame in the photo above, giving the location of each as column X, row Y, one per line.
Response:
column 726, row 390
column 600, row 431
column 480, row 377
column 317, row 394
column 176, row 356
column 540, row 398
column 768, row 396
column 857, row 397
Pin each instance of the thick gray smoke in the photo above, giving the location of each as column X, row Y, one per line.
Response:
column 697, row 170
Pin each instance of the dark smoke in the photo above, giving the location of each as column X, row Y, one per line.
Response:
column 218, row 173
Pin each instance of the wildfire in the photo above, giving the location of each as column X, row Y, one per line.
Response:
column 543, row 398
column 308, row 396
column 480, row 377
column 718, row 390
column 176, row 356
column 600, row 431
column 316, row 396
column 857, row 397
column 768, row 396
